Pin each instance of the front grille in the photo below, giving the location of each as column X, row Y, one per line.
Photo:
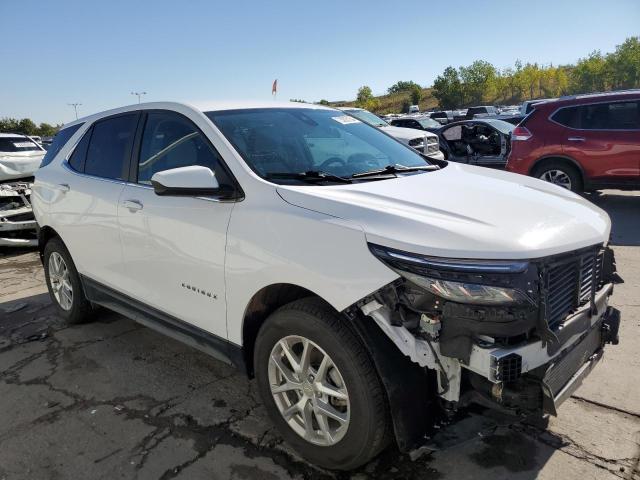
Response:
column 433, row 148
column 571, row 281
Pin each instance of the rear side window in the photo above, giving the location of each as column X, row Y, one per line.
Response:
column 567, row 116
column 170, row 141
column 610, row 116
column 59, row 141
column 18, row 144
column 110, row 147
column 79, row 155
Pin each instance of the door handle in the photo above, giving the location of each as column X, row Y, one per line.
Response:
column 64, row 187
column 576, row 139
column 133, row 205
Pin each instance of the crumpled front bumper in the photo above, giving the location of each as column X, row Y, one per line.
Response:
column 550, row 371
column 17, row 223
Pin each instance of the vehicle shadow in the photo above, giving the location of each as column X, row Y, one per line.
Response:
column 624, row 210
column 8, row 252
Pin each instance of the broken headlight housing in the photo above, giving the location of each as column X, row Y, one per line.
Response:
column 456, row 280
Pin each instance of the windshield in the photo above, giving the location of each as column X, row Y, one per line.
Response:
column 294, row 140
column 429, row 123
column 18, row 144
column 368, row 117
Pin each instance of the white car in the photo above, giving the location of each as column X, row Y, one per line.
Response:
column 366, row 289
column 424, row 142
column 20, row 157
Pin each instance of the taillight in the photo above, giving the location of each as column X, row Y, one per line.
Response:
column 521, row 133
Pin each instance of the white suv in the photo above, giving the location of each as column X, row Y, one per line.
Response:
column 368, row 289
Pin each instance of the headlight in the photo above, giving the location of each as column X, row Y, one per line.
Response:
column 433, row 274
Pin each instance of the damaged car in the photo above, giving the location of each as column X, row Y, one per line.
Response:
column 370, row 290
column 485, row 142
column 20, row 157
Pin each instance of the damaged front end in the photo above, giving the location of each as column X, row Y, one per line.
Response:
column 17, row 222
column 516, row 336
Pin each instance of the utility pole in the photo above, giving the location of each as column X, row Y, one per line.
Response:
column 75, row 107
column 138, row 94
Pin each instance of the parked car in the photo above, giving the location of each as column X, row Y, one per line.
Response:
column 583, row 142
column 424, row 142
column 418, row 123
column 366, row 288
column 484, row 142
column 20, row 157
column 414, row 108
column 442, row 117
column 481, row 110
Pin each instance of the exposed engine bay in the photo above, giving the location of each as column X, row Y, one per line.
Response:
column 17, row 222
column 519, row 340
column 476, row 143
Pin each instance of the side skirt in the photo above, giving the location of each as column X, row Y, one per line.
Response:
column 168, row 325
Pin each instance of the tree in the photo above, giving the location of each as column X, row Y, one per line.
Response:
column 447, row 88
column 479, row 81
column 27, row 127
column 364, row 95
column 323, row 102
column 590, row 74
column 47, row 130
column 416, row 94
column 624, row 64
column 403, row 86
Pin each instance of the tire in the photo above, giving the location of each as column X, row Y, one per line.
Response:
column 78, row 309
column 367, row 430
column 562, row 173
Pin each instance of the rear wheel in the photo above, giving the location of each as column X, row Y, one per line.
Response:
column 560, row 173
column 63, row 283
column 320, row 387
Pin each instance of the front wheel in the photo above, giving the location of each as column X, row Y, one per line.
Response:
column 63, row 282
column 320, row 387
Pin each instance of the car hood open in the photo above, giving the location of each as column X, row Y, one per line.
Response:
column 462, row 211
column 16, row 165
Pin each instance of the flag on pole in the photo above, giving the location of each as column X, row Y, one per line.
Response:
column 274, row 87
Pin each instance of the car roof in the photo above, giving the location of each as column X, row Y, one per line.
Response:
column 588, row 97
column 203, row 106
column 501, row 125
column 5, row 135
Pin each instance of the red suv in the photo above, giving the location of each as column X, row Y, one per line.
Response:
column 583, row 142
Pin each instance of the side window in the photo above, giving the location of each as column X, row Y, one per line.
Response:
column 415, row 125
column 567, row 116
column 78, row 158
column 59, row 141
column 170, row 141
column 611, row 116
column 110, row 147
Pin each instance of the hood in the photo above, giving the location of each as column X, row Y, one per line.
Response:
column 405, row 133
column 462, row 211
column 16, row 165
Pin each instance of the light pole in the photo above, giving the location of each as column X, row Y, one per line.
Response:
column 75, row 107
column 138, row 94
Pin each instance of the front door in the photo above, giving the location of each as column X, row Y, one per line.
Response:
column 174, row 247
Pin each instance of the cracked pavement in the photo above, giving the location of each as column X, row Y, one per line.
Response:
column 112, row 399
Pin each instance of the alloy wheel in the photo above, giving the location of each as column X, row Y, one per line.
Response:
column 59, row 281
column 557, row 177
column 309, row 390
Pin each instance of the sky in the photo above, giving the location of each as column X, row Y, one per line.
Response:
column 97, row 52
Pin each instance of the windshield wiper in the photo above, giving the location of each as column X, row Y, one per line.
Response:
column 393, row 169
column 309, row 176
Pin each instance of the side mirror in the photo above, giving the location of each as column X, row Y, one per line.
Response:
column 194, row 181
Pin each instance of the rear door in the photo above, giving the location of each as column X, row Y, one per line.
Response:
column 605, row 139
column 84, row 209
column 174, row 247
